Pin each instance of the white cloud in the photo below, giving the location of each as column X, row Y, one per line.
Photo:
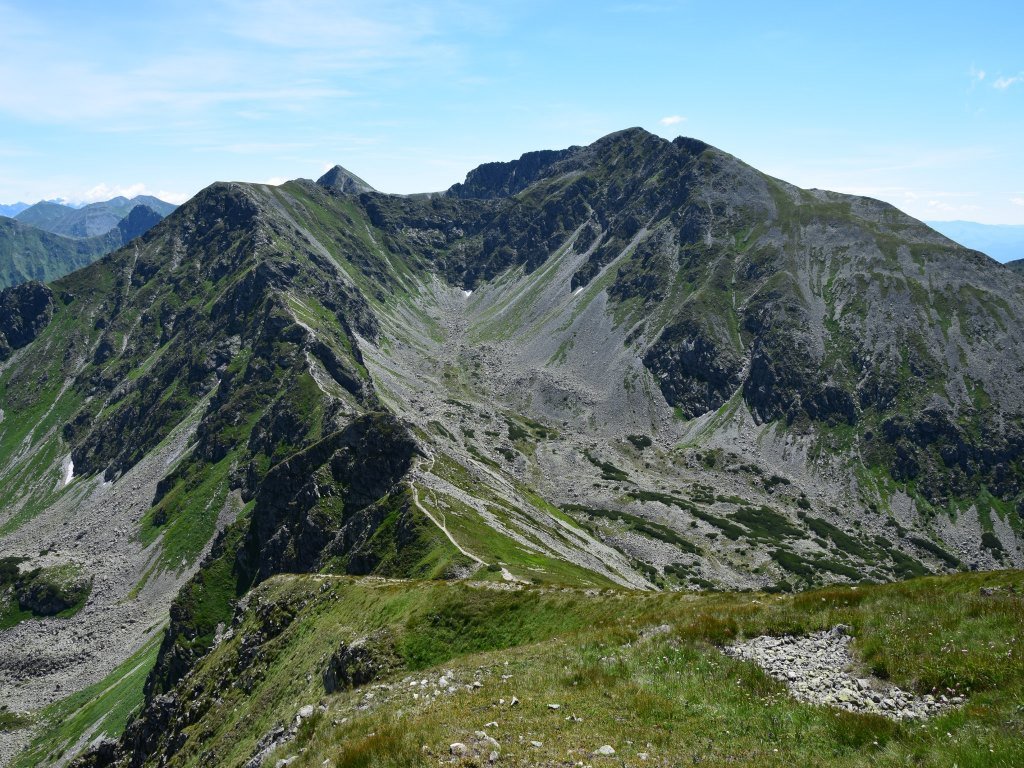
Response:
column 275, row 181
column 672, row 120
column 102, row 192
column 1002, row 83
column 977, row 75
column 105, row 192
column 1017, row 201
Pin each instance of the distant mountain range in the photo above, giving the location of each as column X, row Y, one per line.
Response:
column 89, row 220
column 12, row 210
column 1003, row 242
column 48, row 240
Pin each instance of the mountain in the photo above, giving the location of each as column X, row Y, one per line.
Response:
column 603, row 371
column 90, row 220
column 1003, row 242
column 345, row 182
column 28, row 253
column 12, row 210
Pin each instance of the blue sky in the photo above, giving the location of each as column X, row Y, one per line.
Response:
column 920, row 104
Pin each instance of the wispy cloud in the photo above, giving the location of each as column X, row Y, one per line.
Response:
column 672, row 120
column 266, row 57
column 977, row 75
column 103, row 191
column 1002, row 83
column 1017, row 201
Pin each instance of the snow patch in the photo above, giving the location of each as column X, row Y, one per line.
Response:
column 578, row 291
column 69, row 470
column 467, row 294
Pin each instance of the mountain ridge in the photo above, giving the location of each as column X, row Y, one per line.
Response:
column 639, row 364
column 89, row 220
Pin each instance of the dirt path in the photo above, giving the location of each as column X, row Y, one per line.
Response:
column 440, row 524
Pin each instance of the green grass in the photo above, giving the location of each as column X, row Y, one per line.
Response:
column 842, row 540
column 673, row 696
column 728, row 529
column 478, row 537
column 186, row 517
column 766, row 523
column 102, row 708
column 608, row 470
column 12, row 721
column 639, row 525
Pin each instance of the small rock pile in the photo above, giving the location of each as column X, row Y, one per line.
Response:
column 481, row 747
column 817, row 669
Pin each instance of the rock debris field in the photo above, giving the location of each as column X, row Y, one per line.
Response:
column 819, row 669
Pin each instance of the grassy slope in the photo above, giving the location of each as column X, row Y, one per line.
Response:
column 102, row 708
column 674, row 696
column 28, row 253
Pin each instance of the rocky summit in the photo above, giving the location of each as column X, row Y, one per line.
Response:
column 640, row 366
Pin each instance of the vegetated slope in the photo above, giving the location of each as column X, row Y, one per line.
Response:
column 29, row 253
column 640, row 363
column 89, row 220
column 322, row 670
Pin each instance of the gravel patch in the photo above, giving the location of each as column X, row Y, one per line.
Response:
column 819, row 669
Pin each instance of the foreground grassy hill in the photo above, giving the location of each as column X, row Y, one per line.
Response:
column 415, row 666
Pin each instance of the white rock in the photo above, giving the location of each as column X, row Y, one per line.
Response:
column 605, row 751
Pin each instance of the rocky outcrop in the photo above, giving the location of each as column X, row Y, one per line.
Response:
column 304, row 502
column 25, row 310
column 492, row 180
column 343, row 182
column 361, row 661
column 49, row 591
column 695, row 373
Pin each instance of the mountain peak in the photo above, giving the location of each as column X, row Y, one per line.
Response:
column 344, row 181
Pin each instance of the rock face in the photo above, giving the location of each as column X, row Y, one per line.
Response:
column 24, row 311
column 344, row 182
column 49, row 591
column 313, row 503
column 360, row 662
